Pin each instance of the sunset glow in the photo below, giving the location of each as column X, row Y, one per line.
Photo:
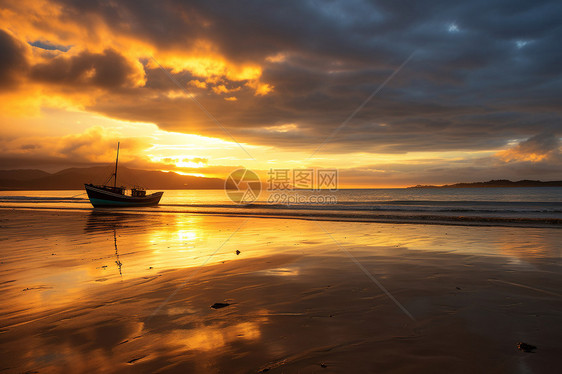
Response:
column 75, row 85
column 295, row 186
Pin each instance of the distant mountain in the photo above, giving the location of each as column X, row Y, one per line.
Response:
column 22, row 174
column 497, row 183
column 74, row 179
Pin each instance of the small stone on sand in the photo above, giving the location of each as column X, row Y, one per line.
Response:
column 219, row 305
column 526, row 347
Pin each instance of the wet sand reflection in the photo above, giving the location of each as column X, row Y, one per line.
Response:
column 295, row 300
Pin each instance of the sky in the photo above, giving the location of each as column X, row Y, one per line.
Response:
column 389, row 93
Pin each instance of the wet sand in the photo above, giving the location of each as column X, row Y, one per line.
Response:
column 98, row 292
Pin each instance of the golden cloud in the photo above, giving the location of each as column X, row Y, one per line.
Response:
column 198, row 83
column 97, row 144
column 96, row 49
column 542, row 147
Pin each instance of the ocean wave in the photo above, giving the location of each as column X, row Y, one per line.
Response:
column 480, row 208
column 472, row 207
column 391, row 217
column 375, row 216
column 434, row 210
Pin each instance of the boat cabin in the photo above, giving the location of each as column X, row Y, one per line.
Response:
column 138, row 192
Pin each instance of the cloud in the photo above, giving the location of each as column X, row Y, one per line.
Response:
column 96, row 145
column 33, row 78
column 198, row 83
column 13, row 62
column 439, row 172
column 220, row 89
column 541, row 147
column 107, row 70
column 463, row 89
column 296, row 62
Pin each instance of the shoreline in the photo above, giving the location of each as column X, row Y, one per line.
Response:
column 421, row 219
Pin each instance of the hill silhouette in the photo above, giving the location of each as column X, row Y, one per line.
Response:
column 74, row 179
column 497, row 183
column 22, row 174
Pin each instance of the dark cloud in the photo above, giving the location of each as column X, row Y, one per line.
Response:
column 473, row 87
column 541, row 143
column 107, row 70
column 484, row 72
column 13, row 62
column 545, row 146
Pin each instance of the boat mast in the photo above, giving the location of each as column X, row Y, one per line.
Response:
column 116, row 161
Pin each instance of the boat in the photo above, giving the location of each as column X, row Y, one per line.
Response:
column 118, row 196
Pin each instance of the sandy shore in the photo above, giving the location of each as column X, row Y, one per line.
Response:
column 87, row 292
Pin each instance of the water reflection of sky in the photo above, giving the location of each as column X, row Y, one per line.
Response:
column 66, row 301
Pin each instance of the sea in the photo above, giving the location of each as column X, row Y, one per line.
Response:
column 534, row 206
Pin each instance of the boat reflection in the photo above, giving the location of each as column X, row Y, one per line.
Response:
column 103, row 222
column 117, row 260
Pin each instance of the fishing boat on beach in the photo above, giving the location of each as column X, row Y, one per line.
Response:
column 119, row 196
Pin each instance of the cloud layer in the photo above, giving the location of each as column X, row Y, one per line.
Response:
column 484, row 75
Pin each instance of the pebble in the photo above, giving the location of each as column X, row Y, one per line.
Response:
column 219, row 305
column 529, row 348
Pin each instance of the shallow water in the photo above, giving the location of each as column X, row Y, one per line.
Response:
column 487, row 206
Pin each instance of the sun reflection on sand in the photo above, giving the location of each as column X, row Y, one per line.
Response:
column 64, row 262
column 282, row 272
column 535, row 247
column 211, row 338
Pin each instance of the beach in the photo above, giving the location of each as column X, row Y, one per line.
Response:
column 100, row 291
column 211, row 187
